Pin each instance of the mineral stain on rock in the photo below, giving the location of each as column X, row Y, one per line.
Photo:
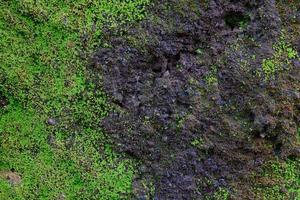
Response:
column 183, row 77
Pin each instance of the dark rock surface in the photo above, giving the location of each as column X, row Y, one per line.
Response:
column 3, row 101
column 190, row 73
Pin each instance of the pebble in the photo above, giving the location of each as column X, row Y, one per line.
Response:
column 51, row 121
column 165, row 139
column 262, row 135
column 151, row 143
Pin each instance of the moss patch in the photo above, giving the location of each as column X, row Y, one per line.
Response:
column 44, row 48
column 279, row 180
column 281, row 59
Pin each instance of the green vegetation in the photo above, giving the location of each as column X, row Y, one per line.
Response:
column 280, row 180
column 197, row 142
column 211, row 77
column 199, row 51
column 148, row 188
column 187, row 6
column 44, row 46
column 221, row 194
column 72, row 170
column 50, row 137
column 180, row 120
column 281, row 59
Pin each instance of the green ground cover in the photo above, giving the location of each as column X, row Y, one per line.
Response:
column 43, row 54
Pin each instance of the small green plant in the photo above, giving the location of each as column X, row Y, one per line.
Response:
column 221, row 194
column 180, row 122
column 269, row 68
column 243, row 24
column 179, row 66
column 197, row 142
column 211, row 77
column 199, row 51
column 291, row 53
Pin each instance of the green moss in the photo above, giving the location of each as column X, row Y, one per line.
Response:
column 79, row 170
column 186, row 8
column 211, row 77
column 279, row 180
column 269, row 68
column 199, row 51
column 197, row 142
column 180, row 120
column 44, row 46
column 221, row 194
column 281, row 59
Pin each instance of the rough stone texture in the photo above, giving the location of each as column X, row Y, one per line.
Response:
column 157, row 77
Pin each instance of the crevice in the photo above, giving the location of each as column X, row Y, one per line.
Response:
column 236, row 19
column 3, row 101
column 277, row 149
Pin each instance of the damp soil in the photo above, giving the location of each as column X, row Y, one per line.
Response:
column 189, row 103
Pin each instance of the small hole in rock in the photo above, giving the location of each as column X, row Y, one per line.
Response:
column 157, row 65
column 251, row 116
column 3, row 101
column 235, row 19
column 277, row 149
column 157, row 69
